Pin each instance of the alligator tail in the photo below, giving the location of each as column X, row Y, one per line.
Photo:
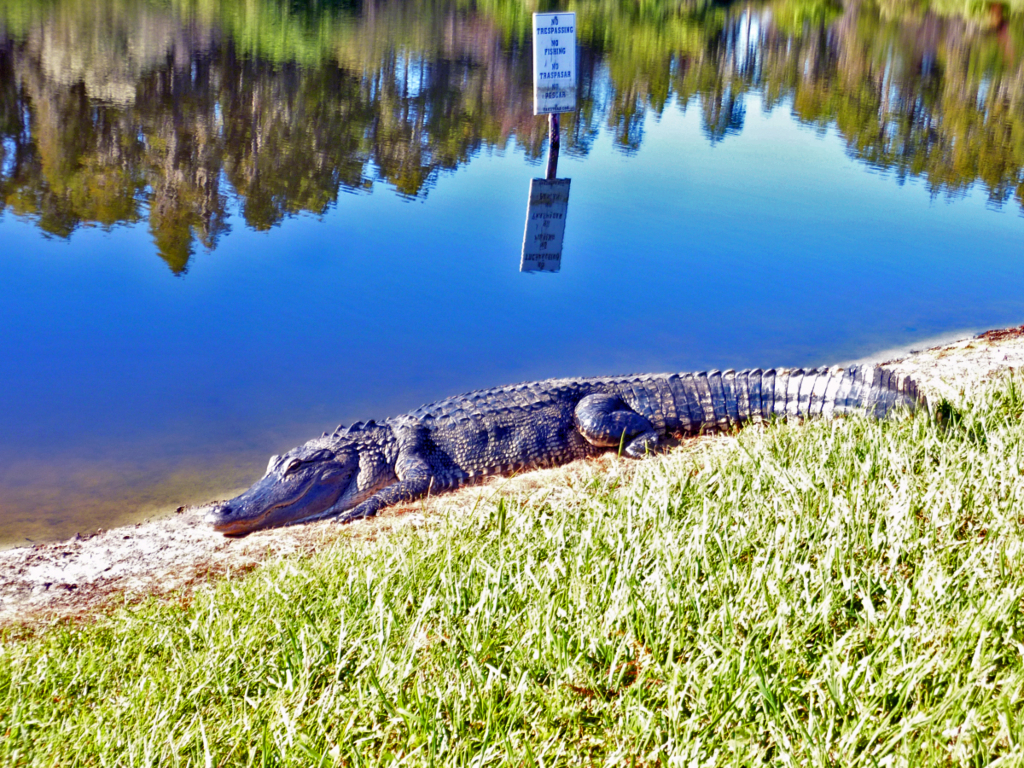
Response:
column 720, row 400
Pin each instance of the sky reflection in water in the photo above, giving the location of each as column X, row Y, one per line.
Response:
column 127, row 387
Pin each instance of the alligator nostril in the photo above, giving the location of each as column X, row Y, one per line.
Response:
column 216, row 513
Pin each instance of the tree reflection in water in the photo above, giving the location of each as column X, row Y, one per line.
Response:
column 122, row 110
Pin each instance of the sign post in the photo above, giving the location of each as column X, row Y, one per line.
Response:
column 554, row 91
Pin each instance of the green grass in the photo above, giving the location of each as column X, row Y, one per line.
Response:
column 837, row 593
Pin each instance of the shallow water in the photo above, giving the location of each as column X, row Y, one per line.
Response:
column 223, row 235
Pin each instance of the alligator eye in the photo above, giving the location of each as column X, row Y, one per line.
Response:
column 292, row 467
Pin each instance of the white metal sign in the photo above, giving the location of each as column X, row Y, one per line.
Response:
column 545, row 225
column 554, row 63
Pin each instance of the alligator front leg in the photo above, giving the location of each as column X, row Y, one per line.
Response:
column 414, row 482
column 405, row 490
column 606, row 421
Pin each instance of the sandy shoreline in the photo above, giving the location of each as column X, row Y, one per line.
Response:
column 81, row 576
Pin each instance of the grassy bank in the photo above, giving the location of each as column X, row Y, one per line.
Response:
column 837, row 593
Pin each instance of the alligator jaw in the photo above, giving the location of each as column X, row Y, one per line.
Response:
column 222, row 520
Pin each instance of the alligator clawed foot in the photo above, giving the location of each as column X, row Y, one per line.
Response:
column 648, row 443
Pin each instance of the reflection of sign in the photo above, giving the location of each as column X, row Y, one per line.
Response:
column 554, row 63
column 545, row 225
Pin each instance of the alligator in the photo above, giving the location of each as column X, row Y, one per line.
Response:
column 357, row 471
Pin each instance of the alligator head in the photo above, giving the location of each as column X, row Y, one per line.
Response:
column 309, row 482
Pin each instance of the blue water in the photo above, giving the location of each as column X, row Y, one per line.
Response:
column 127, row 389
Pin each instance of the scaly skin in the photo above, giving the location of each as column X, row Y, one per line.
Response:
column 355, row 472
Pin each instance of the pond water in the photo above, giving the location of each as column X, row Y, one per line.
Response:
column 227, row 226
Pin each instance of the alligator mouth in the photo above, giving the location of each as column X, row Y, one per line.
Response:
column 241, row 527
column 233, row 529
column 221, row 521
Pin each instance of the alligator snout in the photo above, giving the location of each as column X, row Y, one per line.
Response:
column 218, row 512
column 220, row 517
